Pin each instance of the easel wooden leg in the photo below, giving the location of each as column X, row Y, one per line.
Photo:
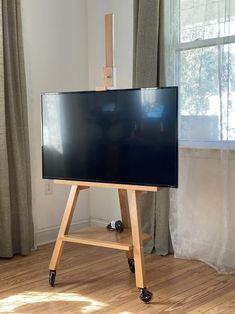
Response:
column 137, row 239
column 136, row 231
column 123, row 201
column 64, row 227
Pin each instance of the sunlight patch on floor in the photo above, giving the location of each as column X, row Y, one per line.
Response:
column 10, row 304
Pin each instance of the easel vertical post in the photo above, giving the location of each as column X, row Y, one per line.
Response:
column 109, row 72
column 109, row 40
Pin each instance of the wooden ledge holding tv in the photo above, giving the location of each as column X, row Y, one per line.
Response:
column 109, row 185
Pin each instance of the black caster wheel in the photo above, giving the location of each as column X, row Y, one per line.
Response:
column 52, row 275
column 131, row 264
column 145, row 295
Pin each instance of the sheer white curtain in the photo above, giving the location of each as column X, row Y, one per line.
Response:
column 202, row 215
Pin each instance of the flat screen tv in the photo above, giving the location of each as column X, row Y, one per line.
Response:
column 125, row 136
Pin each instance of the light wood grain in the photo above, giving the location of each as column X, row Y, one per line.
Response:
column 108, row 77
column 64, row 227
column 109, row 185
column 124, row 207
column 100, row 88
column 137, row 239
column 130, row 240
column 104, row 238
column 109, row 42
column 102, row 275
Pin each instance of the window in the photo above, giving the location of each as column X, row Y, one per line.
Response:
column 203, row 40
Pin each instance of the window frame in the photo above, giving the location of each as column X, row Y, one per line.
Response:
column 176, row 48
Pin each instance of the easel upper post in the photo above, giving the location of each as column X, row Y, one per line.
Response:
column 109, row 51
column 109, row 42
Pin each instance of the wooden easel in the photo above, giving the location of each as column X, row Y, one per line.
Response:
column 131, row 239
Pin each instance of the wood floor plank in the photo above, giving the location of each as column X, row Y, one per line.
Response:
column 98, row 280
column 222, row 304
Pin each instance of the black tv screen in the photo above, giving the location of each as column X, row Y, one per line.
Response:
column 127, row 136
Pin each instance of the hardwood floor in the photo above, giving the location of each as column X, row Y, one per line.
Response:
column 98, row 280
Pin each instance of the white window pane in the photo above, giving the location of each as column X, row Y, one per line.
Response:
column 199, row 94
column 199, row 81
column 204, row 19
column 207, row 93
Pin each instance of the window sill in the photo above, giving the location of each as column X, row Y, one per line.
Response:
column 225, row 145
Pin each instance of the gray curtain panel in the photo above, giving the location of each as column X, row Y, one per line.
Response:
column 16, row 226
column 149, row 71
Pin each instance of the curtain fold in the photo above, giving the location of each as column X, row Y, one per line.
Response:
column 202, row 209
column 16, row 226
column 149, row 46
column 149, row 71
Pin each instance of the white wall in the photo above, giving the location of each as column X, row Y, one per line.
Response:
column 104, row 202
column 55, row 46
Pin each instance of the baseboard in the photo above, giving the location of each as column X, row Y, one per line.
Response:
column 97, row 222
column 49, row 235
